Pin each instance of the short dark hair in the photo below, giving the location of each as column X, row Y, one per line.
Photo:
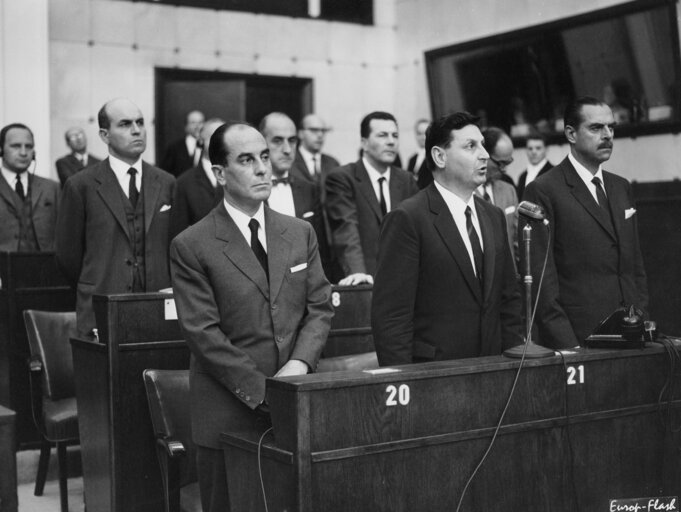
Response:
column 439, row 133
column 365, row 128
column 536, row 136
column 573, row 110
column 103, row 118
column 492, row 134
column 217, row 149
column 5, row 129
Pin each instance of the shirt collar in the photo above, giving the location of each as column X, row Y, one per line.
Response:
column 536, row 168
column 584, row 173
column 208, row 169
column 307, row 155
column 454, row 202
column 374, row 175
column 242, row 220
column 11, row 178
column 120, row 168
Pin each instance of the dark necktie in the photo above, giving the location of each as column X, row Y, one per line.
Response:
column 197, row 152
column 600, row 194
column 284, row 181
column 133, row 193
column 19, row 188
column 485, row 194
column 384, row 205
column 475, row 244
column 257, row 247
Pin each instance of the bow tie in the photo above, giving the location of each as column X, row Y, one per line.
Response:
column 284, row 181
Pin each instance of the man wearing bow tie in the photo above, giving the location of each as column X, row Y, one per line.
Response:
column 112, row 229
column 292, row 195
column 594, row 263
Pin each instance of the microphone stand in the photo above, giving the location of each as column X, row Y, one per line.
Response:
column 529, row 350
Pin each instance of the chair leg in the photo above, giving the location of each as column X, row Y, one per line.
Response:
column 43, row 464
column 63, row 475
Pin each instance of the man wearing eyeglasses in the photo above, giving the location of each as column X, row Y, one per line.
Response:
column 310, row 163
column 497, row 189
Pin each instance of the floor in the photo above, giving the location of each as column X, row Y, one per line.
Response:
column 27, row 466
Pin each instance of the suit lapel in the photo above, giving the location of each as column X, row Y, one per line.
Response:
column 278, row 250
column 36, row 190
column 110, row 191
column 238, row 251
column 8, row 195
column 446, row 227
column 298, row 197
column 584, row 197
column 396, row 188
column 488, row 239
column 366, row 188
column 617, row 203
column 151, row 188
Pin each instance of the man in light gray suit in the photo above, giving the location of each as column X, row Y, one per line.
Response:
column 252, row 302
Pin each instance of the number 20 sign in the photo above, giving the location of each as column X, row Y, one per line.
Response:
column 397, row 395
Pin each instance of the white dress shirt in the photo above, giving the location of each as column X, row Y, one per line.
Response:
column 586, row 176
column 374, row 176
column 120, row 169
column 309, row 159
column 241, row 220
column 11, row 179
column 533, row 171
column 457, row 207
column 281, row 198
column 191, row 143
column 208, row 169
column 420, row 157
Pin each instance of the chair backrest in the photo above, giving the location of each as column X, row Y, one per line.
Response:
column 169, row 403
column 49, row 333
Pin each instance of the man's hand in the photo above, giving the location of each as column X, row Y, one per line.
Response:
column 357, row 278
column 292, row 367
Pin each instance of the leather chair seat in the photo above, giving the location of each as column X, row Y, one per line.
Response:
column 61, row 419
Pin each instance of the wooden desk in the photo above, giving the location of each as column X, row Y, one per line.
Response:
column 120, row 468
column 27, row 281
column 408, row 441
column 8, row 462
column 351, row 323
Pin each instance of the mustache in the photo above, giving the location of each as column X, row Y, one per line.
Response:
column 605, row 145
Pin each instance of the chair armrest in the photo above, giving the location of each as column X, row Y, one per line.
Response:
column 35, row 366
column 172, row 447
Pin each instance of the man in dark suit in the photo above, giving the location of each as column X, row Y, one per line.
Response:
column 594, row 259
column 112, row 229
column 358, row 195
column 78, row 159
column 418, row 160
column 185, row 153
column 28, row 203
column 197, row 191
column 445, row 284
column 310, row 163
column 292, row 195
column 252, row 302
column 538, row 163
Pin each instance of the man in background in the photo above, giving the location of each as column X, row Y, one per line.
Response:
column 197, row 191
column 310, row 163
column 29, row 204
column 538, row 163
column 418, row 161
column 360, row 194
column 185, row 153
column 252, row 303
column 78, row 159
column 445, row 282
column 496, row 190
column 594, row 261
column 112, row 229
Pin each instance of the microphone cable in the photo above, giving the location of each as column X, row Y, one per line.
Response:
column 571, row 451
column 513, row 386
column 262, row 482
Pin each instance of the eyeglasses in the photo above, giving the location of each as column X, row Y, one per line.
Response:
column 502, row 163
column 317, row 131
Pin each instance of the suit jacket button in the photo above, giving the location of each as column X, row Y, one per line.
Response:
column 237, row 391
column 278, row 339
column 248, row 398
column 274, row 306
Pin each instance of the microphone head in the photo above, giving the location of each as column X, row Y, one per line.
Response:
column 531, row 211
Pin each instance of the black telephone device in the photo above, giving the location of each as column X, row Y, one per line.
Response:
column 624, row 328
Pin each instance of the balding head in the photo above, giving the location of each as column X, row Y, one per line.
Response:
column 280, row 135
column 121, row 128
column 312, row 133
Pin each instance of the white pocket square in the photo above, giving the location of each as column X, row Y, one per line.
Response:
column 509, row 210
column 298, row 268
column 164, row 208
column 307, row 215
column 629, row 213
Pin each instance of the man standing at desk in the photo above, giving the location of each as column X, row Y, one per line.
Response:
column 594, row 262
column 445, row 284
column 252, row 302
column 112, row 229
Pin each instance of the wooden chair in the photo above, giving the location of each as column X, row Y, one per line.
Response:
column 53, row 398
column 168, row 397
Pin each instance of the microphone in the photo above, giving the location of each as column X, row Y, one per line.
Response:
column 532, row 212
